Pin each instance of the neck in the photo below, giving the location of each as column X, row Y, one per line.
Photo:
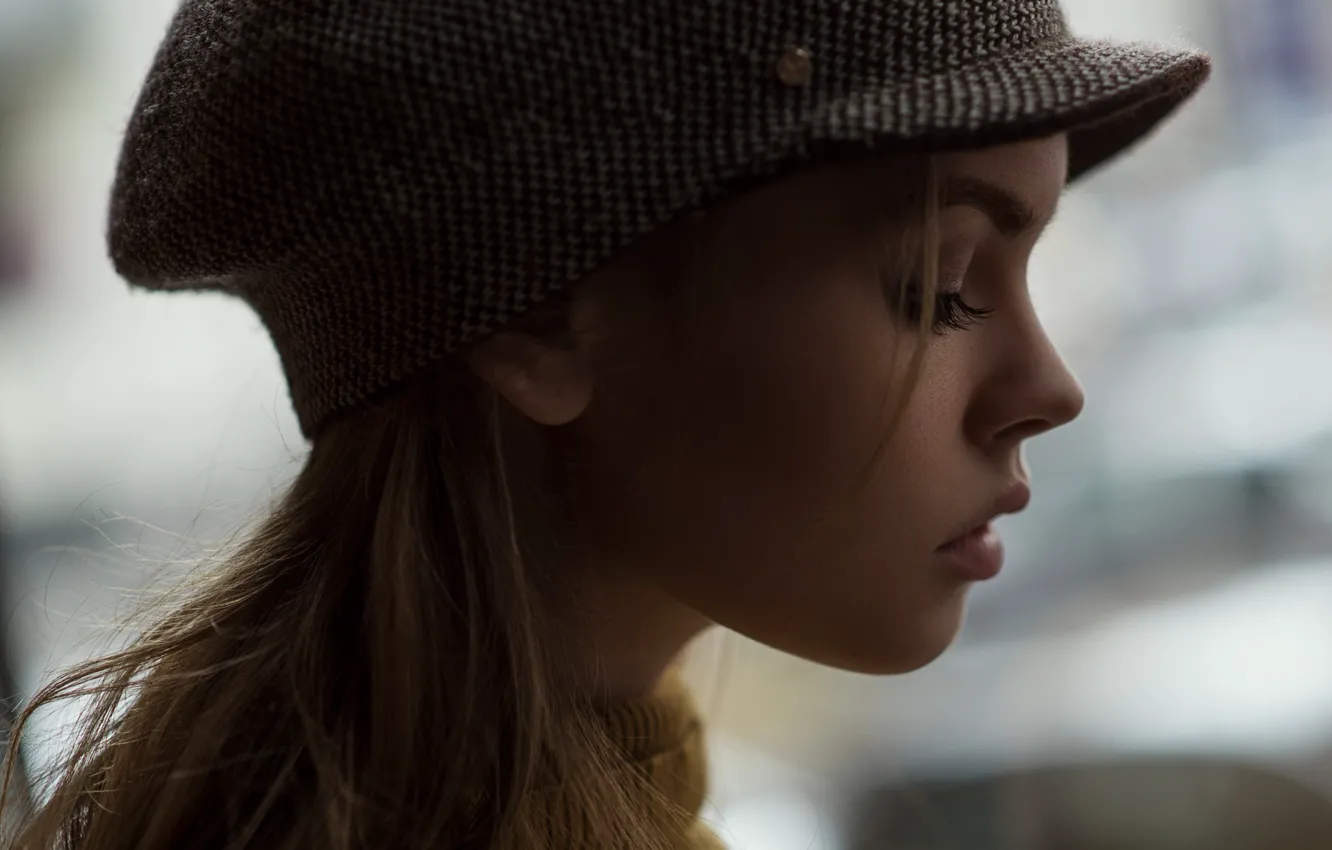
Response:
column 620, row 634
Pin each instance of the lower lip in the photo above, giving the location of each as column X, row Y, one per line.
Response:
column 978, row 556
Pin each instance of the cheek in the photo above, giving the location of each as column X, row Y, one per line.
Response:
column 737, row 475
column 769, row 408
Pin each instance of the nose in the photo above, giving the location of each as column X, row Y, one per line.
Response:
column 1026, row 391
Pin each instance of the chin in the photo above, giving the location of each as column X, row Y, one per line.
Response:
column 901, row 651
column 870, row 643
column 895, row 662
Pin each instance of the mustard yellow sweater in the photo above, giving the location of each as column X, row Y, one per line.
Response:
column 662, row 735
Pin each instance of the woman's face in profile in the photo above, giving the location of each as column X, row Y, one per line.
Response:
column 747, row 466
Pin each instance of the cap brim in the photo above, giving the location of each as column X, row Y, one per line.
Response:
column 1105, row 95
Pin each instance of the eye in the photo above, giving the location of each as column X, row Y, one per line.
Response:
column 951, row 310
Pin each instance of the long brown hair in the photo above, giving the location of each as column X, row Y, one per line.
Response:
column 366, row 670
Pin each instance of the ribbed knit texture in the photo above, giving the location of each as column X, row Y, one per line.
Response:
column 660, row 735
column 387, row 181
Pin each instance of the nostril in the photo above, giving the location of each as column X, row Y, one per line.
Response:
column 1025, row 430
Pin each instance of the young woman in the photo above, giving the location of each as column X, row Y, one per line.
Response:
column 608, row 322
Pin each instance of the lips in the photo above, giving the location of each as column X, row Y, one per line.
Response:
column 1012, row 500
column 978, row 554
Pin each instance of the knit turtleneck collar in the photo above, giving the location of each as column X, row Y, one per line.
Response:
column 660, row 736
column 662, row 733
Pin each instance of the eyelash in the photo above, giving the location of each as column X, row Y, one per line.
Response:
column 951, row 311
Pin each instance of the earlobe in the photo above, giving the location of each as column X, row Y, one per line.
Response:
column 547, row 383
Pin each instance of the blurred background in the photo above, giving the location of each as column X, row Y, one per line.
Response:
column 1154, row 670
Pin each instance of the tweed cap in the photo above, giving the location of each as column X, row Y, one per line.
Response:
column 385, row 181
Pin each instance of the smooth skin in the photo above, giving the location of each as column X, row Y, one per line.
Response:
column 731, row 460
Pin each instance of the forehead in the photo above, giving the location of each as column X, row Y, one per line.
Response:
column 1034, row 171
column 851, row 202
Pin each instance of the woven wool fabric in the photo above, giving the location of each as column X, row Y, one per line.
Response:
column 386, row 181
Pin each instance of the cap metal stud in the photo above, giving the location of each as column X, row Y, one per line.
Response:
column 795, row 68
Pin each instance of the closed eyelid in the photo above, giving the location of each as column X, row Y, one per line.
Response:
column 954, row 264
column 1012, row 215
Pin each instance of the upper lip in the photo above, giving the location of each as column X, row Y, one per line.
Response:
column 1014, row 499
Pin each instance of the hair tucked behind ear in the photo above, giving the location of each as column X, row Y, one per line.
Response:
column 366, row 671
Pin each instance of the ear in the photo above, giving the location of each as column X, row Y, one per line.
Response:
column 549, row 383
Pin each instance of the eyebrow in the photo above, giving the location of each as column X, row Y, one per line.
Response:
column 1010, row 214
